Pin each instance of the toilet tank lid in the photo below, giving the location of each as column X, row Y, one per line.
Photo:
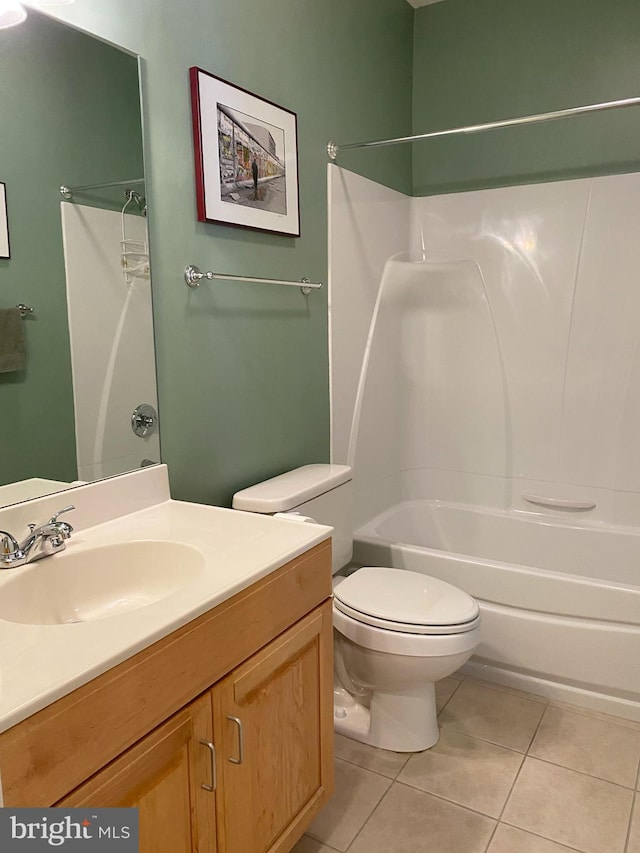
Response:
column 291, row 489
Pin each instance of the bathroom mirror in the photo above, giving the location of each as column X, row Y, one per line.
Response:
column 85, row 405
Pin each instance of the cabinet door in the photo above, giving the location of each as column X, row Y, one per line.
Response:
column 273, row 721
column 163, row 776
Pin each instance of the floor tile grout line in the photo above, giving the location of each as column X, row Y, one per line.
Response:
column 498, row 819
column 635, row 801
column 598, row 716
column 373, row 811
column 633, row 808
column 328, row 846
column 324, row 843
column 375, row 806
column 535, row 734
column 544, row 837
column 482, row 739
column 513, row 784
column 581, row 772
column 445, row 800
column 404, row 764
column 370, row 770
column 601, row 716
column 457, row 687
column 510, row 691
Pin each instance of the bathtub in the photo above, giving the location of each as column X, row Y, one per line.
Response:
column 559, row 597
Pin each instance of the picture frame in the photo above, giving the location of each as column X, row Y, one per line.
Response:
column 246, row 157
column 5, row 251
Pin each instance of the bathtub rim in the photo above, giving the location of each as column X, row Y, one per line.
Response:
column 558, row 597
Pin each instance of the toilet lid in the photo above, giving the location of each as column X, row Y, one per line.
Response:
column 405, row 601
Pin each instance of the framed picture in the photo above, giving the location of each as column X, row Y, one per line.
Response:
column 246, row 154
column 4, row 223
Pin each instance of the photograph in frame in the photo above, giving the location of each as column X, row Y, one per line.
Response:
column 246, row 157
column 4, row 223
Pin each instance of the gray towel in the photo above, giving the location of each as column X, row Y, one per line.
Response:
column 13, row 352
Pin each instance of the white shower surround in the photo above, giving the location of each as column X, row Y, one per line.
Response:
column 514, row 371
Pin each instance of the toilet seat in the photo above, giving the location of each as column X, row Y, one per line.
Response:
column 404, row 642
column 406, row 602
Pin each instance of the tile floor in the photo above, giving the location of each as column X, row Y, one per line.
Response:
column 512, row 773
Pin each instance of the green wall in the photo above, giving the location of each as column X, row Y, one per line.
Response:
column 478, row 61
column 242, row 369
column 70, row 114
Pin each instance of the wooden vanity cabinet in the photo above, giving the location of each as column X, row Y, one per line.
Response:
column 258, row 728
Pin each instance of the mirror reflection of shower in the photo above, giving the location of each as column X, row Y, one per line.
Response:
column 108, row 276
column 134, row 252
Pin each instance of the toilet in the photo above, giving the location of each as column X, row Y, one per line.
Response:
column 395, row 632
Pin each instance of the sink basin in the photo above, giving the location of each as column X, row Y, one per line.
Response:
column 98, row 583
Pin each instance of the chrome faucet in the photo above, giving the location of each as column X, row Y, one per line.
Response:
column 43, row 541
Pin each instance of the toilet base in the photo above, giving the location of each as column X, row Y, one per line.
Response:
column 400, row 722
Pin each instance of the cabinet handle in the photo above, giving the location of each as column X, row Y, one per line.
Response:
column 212, row 754
column 240, row 757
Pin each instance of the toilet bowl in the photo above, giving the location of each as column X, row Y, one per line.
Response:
column 396, row 632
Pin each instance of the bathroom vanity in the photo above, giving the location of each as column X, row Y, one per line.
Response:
column 220, row 730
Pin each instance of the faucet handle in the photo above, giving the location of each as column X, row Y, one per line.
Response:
column 8, row 543
column 54, row 518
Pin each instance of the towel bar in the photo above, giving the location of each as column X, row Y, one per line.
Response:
column 193, row 275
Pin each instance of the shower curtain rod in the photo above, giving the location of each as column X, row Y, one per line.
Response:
column 333, row 148
column 67, row 192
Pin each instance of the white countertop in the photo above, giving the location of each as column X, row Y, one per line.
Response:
column 41, row 663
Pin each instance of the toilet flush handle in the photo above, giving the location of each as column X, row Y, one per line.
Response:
column 292, row 515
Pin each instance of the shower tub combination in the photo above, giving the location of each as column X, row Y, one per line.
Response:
column 560, row 598
column 491, row 360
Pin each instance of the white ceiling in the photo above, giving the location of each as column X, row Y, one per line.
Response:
column 417, row 3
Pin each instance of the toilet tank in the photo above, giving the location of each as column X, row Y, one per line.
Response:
column 322, row 492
